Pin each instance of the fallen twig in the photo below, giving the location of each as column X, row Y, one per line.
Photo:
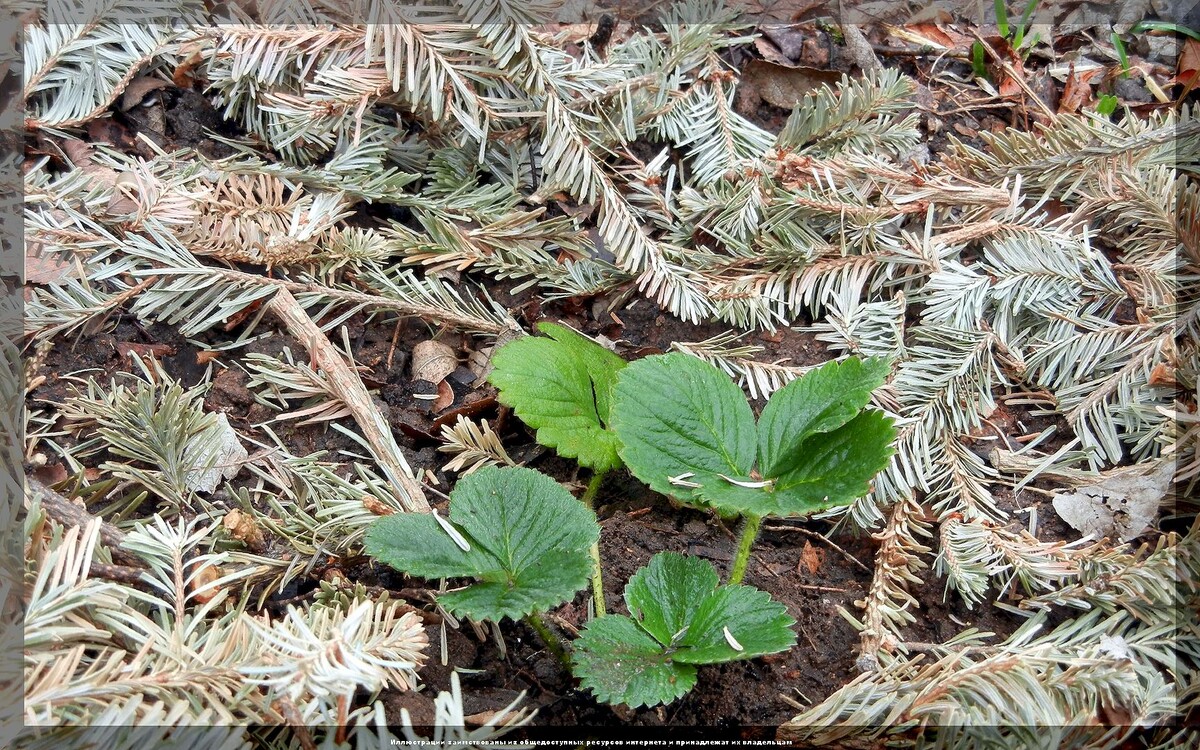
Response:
column 350, row 389
column 69, row 514
column 825, row 539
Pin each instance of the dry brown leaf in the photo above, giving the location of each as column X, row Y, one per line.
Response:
column 48, row 267
column 52, row 474
column 1120, row 506
column 932, row 35
column 372, row 503
column 1162, row 375
column 432, row 361
column 782, row 85
column 201, row 583
column 80, row 154
column 771, row 52
column 811, row 558
column 445, row 397
column 1077, row 91
column 1188, row 71
column 780, row 10
column 1009, row 83
column 137, row 90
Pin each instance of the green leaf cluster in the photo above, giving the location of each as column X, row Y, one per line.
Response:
column 681, row 617
column 562, row 387
column 528, row 540
column 687, row 430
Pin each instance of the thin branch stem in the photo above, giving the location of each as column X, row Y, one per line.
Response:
column 589, row 498
column 826, row 540
column 750, row 526
column 69, row 514
column 552, row 641
column 350, row 389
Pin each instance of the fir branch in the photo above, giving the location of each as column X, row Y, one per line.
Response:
column 1144, row 582
column 79, row 60
column 1065, row 156
column 328, row 653
column 971, row 553
column 286, row 379
column 888, row 602
column 760, row 379
column 318, row 512
column 154, row 421
column 473, row 445
column 831, row 121
column 1010, row 695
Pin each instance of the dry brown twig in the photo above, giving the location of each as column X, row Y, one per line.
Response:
column 888, row 600
column 824, row 539
column 68, row 513
column 349, row 387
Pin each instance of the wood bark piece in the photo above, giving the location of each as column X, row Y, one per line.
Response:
column 353, row 393
column 69, row 514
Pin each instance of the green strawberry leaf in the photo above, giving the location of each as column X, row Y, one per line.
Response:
column 820, row 401
column 621, row 663
column 528, row 537
column 562, row 386
column 679, row 418
column 686, row 430
column 680, row 617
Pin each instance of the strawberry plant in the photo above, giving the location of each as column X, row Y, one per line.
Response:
column 516, row 530
column 523, row 536
column 561, row 385
column 687, row 430
column 680, row 618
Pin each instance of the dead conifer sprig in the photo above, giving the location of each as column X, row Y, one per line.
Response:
column 514, row 156
column 473, row 444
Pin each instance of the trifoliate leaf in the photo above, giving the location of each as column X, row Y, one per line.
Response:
column 821, row 401
column 687, row 430
column 621, row 664
column 529, row 542
column 680, row 616
column 676, row 415
column 562, row 387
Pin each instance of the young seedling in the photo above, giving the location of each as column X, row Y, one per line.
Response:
column 687, row 431
column 562, row 387
column 516, row 530
column 681, row 617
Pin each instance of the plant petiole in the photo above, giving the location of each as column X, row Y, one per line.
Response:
column 589, row 498
column 552, row 641
column 750, row 526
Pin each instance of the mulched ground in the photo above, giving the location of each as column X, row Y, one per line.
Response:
column 812, row 579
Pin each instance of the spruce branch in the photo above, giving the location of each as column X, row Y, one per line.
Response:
column 888, row 603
